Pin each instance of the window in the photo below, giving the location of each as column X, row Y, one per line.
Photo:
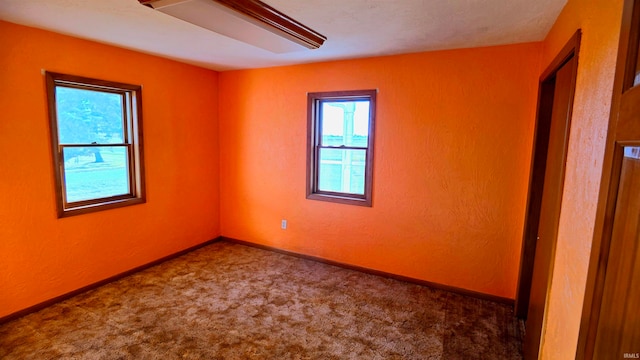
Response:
column 340, row 146
column 96, row 135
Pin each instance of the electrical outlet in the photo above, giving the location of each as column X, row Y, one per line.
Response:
column 283, row 225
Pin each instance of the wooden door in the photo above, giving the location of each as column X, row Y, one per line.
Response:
column 611, row 330
column 550, row 105
column 550, row 207
column 618, row 330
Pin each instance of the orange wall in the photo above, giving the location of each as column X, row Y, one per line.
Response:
column 41, row 256
column 453, row 142
column 600, row 23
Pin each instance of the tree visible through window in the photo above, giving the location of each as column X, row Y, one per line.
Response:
column 97, row 143
column 340, row 149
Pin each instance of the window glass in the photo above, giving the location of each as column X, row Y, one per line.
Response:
column 342, row 170
column 87, row 116
column 345, row 123
column 95, row 172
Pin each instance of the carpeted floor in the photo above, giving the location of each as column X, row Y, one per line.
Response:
column 229, row 301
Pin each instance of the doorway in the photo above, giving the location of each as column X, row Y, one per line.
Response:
column 546, row 184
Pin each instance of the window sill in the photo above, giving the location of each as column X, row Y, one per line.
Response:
column 340, row 199
column 78, row 210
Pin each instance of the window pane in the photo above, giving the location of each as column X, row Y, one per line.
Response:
column 342, row 171
column 345, row 123
column 87, row 116
column 95, row 172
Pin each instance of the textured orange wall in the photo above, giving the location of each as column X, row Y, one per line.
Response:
column 41, row 256
column 453, row 142
column 600, row 23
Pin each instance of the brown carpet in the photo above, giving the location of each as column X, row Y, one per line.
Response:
column 229, row 301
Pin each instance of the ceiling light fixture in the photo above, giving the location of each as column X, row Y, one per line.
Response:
column 243, row 20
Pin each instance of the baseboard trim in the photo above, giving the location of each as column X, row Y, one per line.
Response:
column 57, row 299
column 453, row 289
column 60, row 298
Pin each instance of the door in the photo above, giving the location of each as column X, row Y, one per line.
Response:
column 551, row 104
column 618, row 330
column 550, row 206
column 613, row 329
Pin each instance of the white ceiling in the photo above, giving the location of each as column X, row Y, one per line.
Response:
column 354, row 28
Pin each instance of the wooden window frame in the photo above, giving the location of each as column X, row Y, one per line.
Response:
column 314, row 136
column 132, row 128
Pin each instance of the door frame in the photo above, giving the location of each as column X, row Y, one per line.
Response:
column 605, row 210
column 538, row 166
